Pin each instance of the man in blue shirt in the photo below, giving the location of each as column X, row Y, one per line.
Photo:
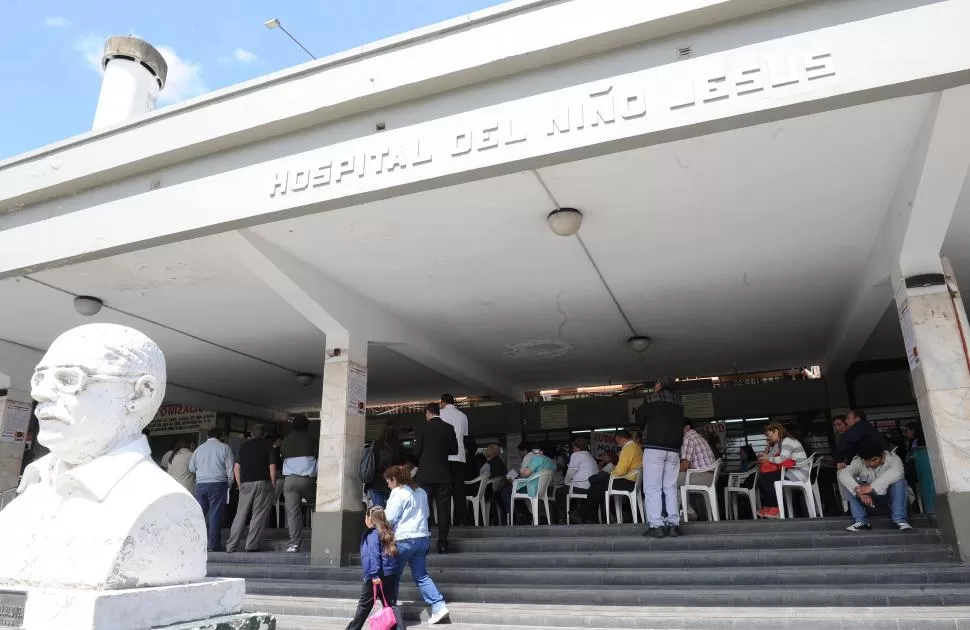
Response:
column 212, row 464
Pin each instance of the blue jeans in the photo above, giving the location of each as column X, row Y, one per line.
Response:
column 378, row 498
column 212, row 498
column 896, row 496
column 413, row 552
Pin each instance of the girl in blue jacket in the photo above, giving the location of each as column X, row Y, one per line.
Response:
column 379, row 558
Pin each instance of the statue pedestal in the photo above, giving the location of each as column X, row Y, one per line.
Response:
column 210, row 603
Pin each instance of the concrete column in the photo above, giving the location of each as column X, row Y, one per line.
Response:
column 338, row 519
column 935, row 331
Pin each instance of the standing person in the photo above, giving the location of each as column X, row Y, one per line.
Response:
column 876, row 477
column 434, row 443
column 255, row 474
column 407, row 511
column 457, row 464
column 661, row 417
column 299, row 452
column 630, row 464
column 783, row 451
column 580, row 468
column 379, row 559
column 212, row 464
column 387, row 452
column 177, row 465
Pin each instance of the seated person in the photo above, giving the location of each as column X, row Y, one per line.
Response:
column 629, row 464
column 533, row 463
column 494, row 470
column 696, row 453
column 748, row 458
column 608, row 461
column 581, row 467
column 876, row 479
column 782, row 451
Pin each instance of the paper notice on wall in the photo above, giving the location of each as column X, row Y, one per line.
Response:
column 700, row 405
column 357, row 389
column 553, row 417
column 176, row 419
column 513, row 459
column 14, row 420
column 909, row 335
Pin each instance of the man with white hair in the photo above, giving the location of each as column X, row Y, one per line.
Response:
column 97, row 512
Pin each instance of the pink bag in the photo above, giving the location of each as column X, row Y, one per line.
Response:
column 385, row 619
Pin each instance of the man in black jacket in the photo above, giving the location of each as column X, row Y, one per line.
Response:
column 661, row 417
column 859, row 431
column 433, row 443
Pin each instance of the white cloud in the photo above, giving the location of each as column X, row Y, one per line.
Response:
column 243, row 55
column 91, row 47
column 184, row 77
column 56, row 22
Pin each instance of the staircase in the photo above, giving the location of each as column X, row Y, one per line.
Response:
column 795, row 574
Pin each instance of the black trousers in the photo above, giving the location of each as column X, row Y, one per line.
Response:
column 440, row 493
column 366, row 602
column 458, row 491
column 766, row 484
column 598, row 484
column 560, row 494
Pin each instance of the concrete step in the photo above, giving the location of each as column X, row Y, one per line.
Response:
column 952, row 573
column 294, row 611
column 826, row 540
column 659, row 559
column 699, row 596
column 692, row 528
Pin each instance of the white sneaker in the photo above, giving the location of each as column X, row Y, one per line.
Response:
column 293, row 549
column 859, row 527
column 903, row 526
column 439, row 616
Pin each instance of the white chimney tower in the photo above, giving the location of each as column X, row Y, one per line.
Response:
column 134, row 74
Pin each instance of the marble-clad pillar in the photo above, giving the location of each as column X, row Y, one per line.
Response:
column 338, row 516
column 935, row 332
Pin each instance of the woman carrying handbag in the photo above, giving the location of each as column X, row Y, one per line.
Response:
column 379, row 559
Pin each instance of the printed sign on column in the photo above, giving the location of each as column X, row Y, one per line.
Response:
column 357, row 389
column 14, row 420
column 909, row 335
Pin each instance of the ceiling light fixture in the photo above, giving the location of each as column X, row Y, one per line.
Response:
column 565, row 221
column 639, row 343
column 87, row 305
column 304, row 379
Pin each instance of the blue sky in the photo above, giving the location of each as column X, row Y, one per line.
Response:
column 50, row 49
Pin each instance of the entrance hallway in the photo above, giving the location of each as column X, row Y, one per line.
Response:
column 718, row 575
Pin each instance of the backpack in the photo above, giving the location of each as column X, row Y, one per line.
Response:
column 368, row 465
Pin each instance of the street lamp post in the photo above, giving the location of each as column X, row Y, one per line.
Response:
column 275, row 23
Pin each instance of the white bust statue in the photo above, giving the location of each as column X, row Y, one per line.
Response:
column 97, row 512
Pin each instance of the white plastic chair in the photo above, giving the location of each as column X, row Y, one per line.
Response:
column 619, row 495
column 709, row 491
column 487, row 504
column 542, row 493
column 813, row 477
column 785, row 486
column 478, row 499
column 736, row 489
column 574, row 493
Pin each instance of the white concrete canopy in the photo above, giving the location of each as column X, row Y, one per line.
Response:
column 739, row 201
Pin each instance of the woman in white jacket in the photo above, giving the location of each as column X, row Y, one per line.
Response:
column 783, row 451
column 407, row 512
